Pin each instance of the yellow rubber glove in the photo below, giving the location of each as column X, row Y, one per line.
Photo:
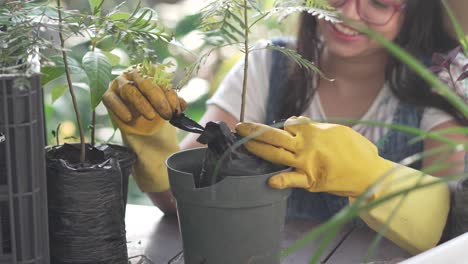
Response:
column 336, row 159
column 139, row 107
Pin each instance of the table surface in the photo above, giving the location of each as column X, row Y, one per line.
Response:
column 154, row 238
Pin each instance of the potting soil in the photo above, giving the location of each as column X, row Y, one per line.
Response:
column 227, row 156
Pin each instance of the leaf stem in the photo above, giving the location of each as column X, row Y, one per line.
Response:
column 246, row 62
column 93, row 114
column 70, row 85
column 93, row 130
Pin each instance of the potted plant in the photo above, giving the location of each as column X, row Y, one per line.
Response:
column 88, row 183
column 23, row 192
column 221, row 192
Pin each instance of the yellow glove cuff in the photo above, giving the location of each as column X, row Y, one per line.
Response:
column 150, row 172
column 420, row 220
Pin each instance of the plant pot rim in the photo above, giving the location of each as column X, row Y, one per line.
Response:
column 182, row 152
column 130, row 159
column 231, row 192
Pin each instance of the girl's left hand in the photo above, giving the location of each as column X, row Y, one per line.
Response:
column 326, row 157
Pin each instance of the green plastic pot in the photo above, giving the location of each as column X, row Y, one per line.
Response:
column 237, row 220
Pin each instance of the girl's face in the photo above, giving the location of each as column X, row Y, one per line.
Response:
column 343, row 41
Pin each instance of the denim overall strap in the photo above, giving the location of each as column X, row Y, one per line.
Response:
column 278, row 77
column 301, row 204
column 396, row 145
column 321, row 206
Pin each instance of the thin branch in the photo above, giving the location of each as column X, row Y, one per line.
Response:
column 70, row 86
column 246, row 62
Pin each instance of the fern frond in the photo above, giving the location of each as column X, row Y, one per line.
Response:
column 298, row 59
column 224, row 19
column 20, row 40
column 319, row 4
column 319, row 8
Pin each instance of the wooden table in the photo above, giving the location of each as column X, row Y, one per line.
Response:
column 155, row 238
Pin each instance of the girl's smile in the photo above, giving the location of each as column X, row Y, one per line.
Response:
column 343, row 32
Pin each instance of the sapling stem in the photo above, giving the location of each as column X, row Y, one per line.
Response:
column 57, row 132
column 70, row 85
column 246, row 61
column 93, row 129
column 93, row 114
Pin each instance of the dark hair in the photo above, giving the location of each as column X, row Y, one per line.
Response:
column 422, row 34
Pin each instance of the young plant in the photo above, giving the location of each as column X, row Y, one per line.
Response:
column 92, row 62
column 230, row 22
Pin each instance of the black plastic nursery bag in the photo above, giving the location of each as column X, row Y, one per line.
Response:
column 86, row 216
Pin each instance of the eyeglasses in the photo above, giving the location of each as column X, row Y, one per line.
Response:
column 376, row 12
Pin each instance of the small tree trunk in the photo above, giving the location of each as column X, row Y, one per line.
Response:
column 70, row 86
column 246, row 61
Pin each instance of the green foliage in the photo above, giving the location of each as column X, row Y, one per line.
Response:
column 187, row 25
column 54, row 79
column 98, row 68
column 20, row 41
column 298, row 59
column 318, row 8
column 89, row 64
column 462, row 36
column 224, row 23
column 136, row 31
column 161, row 76
column 96, row 6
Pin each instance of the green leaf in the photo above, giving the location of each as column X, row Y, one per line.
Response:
column 135, row 11
column 99, row 70
column 59, row 86
column 255, row 5
column 114, row 59
column 119, row 16
column 58, row 91
column 187, row 25
column 457, row 26
column 52, row 72
column 96, row 6
column 77, row 51
column 106, row 44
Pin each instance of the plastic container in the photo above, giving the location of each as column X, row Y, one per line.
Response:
column 23, row 196
column 87, row 224
column 237, row 220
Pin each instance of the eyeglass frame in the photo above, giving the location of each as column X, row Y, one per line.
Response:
column 396, row 9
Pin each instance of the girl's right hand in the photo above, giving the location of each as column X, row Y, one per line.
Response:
column 138, row 105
